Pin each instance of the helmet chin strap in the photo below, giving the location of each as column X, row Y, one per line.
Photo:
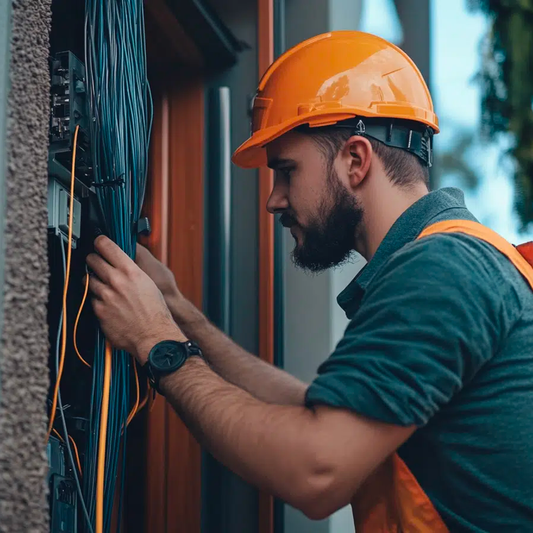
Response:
column 410, row 136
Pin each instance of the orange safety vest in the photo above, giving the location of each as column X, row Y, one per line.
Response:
column 391, row 500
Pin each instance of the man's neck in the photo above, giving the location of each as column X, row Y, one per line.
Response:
column 381, row 212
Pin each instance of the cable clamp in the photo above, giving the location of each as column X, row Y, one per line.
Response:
column 110, row 183
column 143, row 226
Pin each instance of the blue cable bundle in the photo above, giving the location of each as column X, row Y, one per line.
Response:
column 121, row 111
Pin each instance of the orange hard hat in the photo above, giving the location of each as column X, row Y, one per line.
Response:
column 334, row 77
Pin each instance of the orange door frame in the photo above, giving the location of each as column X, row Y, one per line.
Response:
column 266, row 241
column 171, row 457
column 185, row 259
column 157, row 209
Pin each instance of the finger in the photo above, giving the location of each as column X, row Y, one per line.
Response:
column 142, row 248
column 98, row 307
column 97, row 287
column 111, row 252
column 100, row 267
column 141, row 253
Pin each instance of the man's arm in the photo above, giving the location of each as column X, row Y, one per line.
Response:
column 235, row 364
column 228, row 359
column 313, row 459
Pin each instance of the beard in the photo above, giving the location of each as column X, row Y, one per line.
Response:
column 329, row 239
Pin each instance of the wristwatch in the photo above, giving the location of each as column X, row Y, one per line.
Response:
column 166, row 357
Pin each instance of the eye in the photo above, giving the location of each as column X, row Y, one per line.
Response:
column 286, row 172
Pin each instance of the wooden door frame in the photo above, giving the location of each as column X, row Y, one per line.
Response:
column 175, row 204
column 168, row 456
column 185, row 259
column 156, row 207
column 164, row 464
column 265, row 28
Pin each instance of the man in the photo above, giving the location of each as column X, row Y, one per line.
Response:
column 437, row 361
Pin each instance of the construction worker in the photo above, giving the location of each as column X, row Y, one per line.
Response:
column 422, row 417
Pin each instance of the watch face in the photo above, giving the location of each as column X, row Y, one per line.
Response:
column 168, row 356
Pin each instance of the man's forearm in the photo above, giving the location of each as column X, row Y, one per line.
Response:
column 233, row 363
column 271, row 446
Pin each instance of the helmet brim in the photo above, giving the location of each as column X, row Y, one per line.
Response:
column 252, row 153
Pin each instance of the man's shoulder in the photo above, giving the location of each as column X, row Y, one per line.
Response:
column 456, row 253
column 453, row 260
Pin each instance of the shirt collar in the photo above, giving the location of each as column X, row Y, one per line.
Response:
column 406, row 229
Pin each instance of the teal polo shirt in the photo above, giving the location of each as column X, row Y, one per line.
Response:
column 441, row 336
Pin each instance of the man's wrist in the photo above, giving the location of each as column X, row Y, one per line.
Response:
column 165, row 382
column 145, row 345
column 187, row 316
column 175, row 302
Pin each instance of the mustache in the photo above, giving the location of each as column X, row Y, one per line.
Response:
column 287, row 220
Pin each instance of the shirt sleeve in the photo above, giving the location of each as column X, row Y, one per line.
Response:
column 430, row 321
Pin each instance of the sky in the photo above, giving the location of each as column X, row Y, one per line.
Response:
column 456, row 35
column 457, row 98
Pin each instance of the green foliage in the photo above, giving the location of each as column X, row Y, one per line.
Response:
column 506, row 80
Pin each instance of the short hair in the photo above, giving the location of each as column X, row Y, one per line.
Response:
column 402, row 167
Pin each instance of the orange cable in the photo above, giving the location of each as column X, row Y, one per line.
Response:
column 54, row 430
column 65, row 288
column 76, row 453
column 146, row 397
column 100, row 475
column 78, row 319
column 136, row 406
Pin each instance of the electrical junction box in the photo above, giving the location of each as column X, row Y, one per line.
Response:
column 63, row 505
column 59, row 212
column 69, row 110
column 56, row 457
column 63, row 495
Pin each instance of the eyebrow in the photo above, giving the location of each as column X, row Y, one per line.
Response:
column 277, row 162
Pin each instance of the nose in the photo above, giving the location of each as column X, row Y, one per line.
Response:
column 278, row 200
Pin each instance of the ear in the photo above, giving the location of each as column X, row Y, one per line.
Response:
column 358, row 156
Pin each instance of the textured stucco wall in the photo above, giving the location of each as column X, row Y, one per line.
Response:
column 24, row 344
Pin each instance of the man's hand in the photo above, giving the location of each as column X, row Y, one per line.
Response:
column 159, row 273
column 130, row 307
